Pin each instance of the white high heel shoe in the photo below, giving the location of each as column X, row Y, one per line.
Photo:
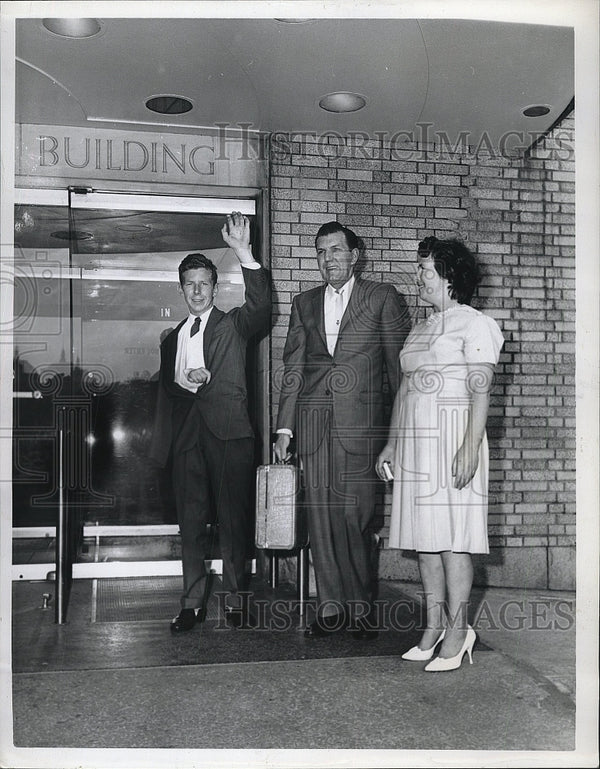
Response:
column 452, row 663
column 416, row 654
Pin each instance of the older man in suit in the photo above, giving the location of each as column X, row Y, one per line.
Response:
column 341, row 337
column 202, row 418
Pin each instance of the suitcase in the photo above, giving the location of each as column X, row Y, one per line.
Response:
column 279, row 523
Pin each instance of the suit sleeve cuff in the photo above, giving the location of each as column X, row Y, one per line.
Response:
column 285, row 431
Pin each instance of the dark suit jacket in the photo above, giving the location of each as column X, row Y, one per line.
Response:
column 347, row 386
column 222, row 403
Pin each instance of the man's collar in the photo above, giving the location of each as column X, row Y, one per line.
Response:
column 347, row 287
column 203, row 316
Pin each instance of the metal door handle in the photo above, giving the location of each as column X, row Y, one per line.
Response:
column 32, row 394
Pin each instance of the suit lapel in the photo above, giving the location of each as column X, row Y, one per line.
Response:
column 318, row 310
column 213, row 319
column 171, row 350
column 353, row 304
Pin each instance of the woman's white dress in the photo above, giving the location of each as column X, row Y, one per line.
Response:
column 428, row 513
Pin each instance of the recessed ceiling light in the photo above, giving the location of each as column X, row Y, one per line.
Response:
column 536, row 110
column 72, row 235
column 342, row 101
column 73, row 27
column 135, row 228
column 294, row 21
column 169, row 105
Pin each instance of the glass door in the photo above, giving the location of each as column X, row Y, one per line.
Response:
column 113, row 298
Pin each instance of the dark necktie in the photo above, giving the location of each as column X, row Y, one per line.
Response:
column 195, row 326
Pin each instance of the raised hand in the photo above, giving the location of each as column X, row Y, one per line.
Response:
column 236, row 233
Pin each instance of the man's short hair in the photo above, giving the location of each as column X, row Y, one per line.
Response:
column 352, row 240
column 196, row 262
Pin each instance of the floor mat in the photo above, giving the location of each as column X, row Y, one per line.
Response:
column 145, row 598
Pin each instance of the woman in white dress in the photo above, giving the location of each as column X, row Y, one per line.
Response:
column 437, row 446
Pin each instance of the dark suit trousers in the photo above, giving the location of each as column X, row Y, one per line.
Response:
column 214, row 475
column 339, row 496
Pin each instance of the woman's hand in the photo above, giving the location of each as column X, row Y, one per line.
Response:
column 387, row 455
column 198, row 376
column 465, row 464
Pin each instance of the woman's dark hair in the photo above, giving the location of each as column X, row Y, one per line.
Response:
column 196, row 262
column 455, row 262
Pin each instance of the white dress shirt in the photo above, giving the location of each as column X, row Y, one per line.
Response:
column 335, row 303
column 190, row 350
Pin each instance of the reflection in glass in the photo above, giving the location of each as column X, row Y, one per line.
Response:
column 90, row 313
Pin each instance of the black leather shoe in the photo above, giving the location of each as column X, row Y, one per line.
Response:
column 364, row 630
column 186, row 619
column 325, row 626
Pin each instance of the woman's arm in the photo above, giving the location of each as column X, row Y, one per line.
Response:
column 479, row 381
column 389, row 450
column 393, row 431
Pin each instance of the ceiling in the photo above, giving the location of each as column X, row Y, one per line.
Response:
column 420, row 78
column 452, row 75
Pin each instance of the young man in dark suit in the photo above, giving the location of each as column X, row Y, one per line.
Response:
column 341, row 337
column 202, row 417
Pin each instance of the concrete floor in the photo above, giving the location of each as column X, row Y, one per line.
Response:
column 131, row 684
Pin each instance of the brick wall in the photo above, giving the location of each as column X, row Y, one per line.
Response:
column 518, row 216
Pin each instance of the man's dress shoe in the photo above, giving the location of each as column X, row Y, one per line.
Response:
column 325, row 626
column 186, row 619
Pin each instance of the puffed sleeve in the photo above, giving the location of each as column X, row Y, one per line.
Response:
column 483, row 340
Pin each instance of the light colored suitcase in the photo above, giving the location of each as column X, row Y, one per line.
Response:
column 279, row 523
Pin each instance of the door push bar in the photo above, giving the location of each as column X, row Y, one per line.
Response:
column 31, row 394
